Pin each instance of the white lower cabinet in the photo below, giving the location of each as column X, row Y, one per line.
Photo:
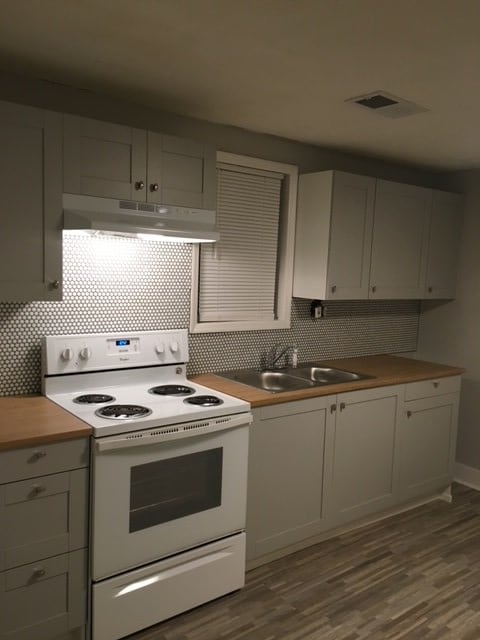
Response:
column 362, row 467
column 322, row 463
column 428, row 434
column 285, row 484
column 43, row 539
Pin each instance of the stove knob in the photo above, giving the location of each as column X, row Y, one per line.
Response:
column 85, row 353
column 160, row 348
column 67, row 354
column 174, row 346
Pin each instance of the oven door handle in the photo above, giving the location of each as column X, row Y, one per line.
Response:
column 175, row 432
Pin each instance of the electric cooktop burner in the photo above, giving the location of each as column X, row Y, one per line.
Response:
column 172, row 390
column 204, row 401
column 93, row 398
column 123, row 411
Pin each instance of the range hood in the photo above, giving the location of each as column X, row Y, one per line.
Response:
column 139, row 219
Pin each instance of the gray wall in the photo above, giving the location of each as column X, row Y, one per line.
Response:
column 450, row 332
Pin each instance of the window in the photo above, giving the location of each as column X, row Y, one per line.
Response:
column 244, row 281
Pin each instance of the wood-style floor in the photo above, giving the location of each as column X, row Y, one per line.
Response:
column 415, row 576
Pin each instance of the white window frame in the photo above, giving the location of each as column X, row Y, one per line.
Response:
column 285, row 253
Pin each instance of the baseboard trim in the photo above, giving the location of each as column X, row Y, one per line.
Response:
column 469, row 476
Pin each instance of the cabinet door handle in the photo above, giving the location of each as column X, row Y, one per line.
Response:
column 374, row 288
column 54, row 284
column 334, row 288
column 436, row 385
column 154, row 186
column 333, row 408
column 342, row 406
column 139, row 185
column 409, row 414
column 430, row 289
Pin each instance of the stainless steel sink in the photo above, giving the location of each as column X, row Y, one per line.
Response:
column 304, row 377
column 326, row 375
column 273, row 381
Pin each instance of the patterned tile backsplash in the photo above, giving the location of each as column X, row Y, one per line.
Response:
column 123, row 284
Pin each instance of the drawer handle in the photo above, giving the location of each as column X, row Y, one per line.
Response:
column 38, row 488
column 436, row 385
column 342, row 406
column 38, row 573
column 333, row 408
column 409, row 414
column 37, row 455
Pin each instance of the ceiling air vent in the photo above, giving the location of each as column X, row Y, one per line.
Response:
column 387, row 105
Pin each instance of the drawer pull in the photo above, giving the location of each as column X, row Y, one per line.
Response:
column 436, row 385
column 333, row 408
column 38, row 573
column 342, row 406
column 409, row 414
column 37, row 488
column 37, row 455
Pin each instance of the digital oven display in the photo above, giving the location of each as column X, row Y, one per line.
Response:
column 122, row 346
column 122, row 343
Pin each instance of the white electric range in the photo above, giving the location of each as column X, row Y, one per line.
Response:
column 168, row 473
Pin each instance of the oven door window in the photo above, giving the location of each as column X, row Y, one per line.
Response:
column 173, row 488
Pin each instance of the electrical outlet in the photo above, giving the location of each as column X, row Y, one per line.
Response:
column 318, row 311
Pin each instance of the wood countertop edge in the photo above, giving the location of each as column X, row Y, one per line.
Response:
column 402, row 371
column 23, row 442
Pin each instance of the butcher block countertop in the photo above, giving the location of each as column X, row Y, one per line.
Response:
column 388, row 370
column 32, row 420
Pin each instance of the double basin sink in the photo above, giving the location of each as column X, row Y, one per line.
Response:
column 292, row 379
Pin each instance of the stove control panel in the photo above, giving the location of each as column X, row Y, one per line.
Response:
column 116, row 346
column 102, row 351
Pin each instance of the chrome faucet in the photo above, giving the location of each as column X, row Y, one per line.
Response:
column 276, row 353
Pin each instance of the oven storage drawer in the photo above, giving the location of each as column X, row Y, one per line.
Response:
column 42, row 517
column 143, row 597
column 30, row 462
column 33, row 600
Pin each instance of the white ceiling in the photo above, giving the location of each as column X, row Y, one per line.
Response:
column 283, row 67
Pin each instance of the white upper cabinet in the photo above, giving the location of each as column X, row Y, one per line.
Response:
column 104, row 159
column 116, row 161
column 399, row 245
column 358, row 237
column 443, row 245
column 333, row 236
column 31, row 195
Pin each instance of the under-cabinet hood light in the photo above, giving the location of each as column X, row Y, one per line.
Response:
column 138, row 219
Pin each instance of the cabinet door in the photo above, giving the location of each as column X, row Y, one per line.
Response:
column 350, row 237
column 285, row 484
column 31, row 196
column 44, row 600
column 104, row 159
column 428, row 433
column 42, row 517
column 399, row 247
column 181, row 172
column 443, row 245
column 362, row 468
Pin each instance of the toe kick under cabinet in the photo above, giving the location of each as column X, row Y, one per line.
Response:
column 322, row 463
column 43, row 540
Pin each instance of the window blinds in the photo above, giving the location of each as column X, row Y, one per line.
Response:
column 237, row 275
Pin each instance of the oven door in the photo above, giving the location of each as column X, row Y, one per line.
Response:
column 154, row 496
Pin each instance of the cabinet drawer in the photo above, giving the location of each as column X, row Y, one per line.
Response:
column 434, row 387
column 43, row 459
column 40, row 601
column 42, row 517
